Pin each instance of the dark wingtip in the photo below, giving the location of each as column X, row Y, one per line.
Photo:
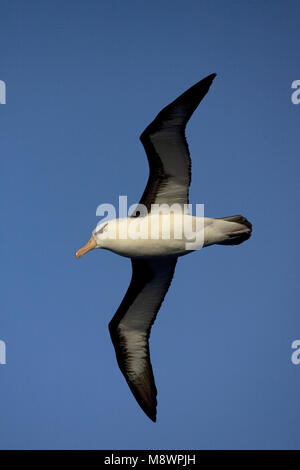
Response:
column 204, row 82
column 210, row 78
column 152, row 415
column 149, row 409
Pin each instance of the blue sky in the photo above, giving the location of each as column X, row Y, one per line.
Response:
column 84, row 78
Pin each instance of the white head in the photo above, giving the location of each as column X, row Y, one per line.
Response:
column 96, row 240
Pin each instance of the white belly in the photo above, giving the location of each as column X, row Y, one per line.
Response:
column 155, row 235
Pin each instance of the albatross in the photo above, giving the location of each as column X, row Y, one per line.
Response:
column 154, row 258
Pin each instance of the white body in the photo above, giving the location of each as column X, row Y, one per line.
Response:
column 161, row 234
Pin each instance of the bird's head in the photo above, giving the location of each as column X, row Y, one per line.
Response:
column 96, row 240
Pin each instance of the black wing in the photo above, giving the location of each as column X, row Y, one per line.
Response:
column 131, row 325
column 167, row 150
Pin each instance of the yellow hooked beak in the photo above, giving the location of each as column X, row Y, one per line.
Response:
column 90, row 245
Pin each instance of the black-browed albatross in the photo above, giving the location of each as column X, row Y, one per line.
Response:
column 154, row 260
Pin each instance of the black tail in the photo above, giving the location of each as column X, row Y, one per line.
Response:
column 240, row 236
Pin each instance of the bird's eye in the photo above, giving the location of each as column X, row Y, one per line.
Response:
column 101, row 230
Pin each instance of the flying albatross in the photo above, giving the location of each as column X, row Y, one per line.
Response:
column 154, row 258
